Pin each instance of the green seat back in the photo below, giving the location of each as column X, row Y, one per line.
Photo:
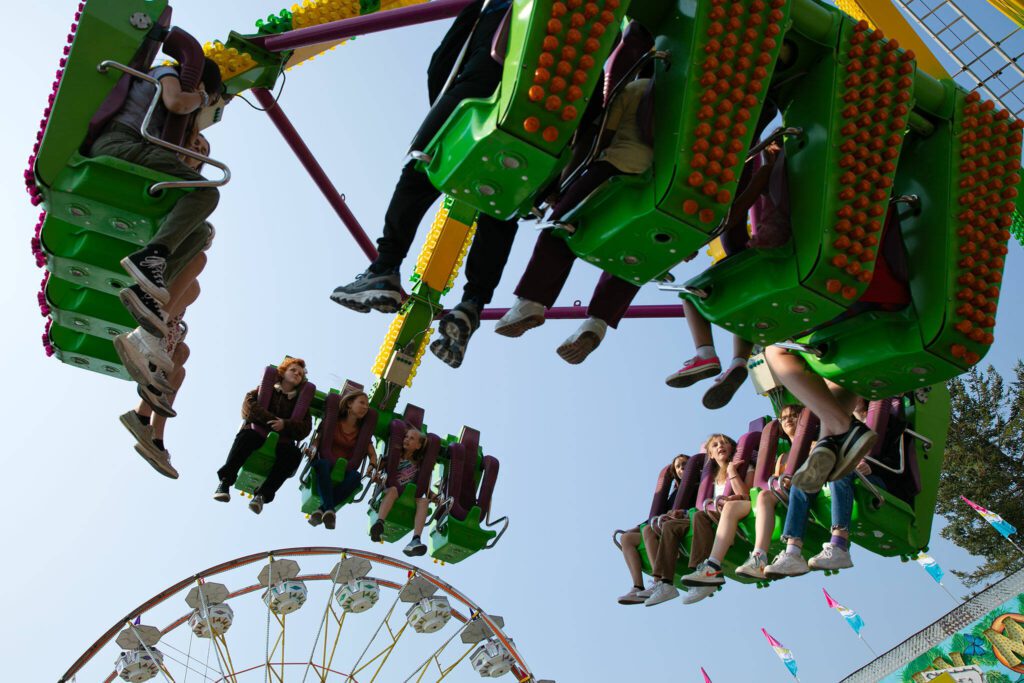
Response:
column 257, row 466
column 496, row 153
column 104, row 32
column 456, row 539
column 849, row 154
column 956, row 244
column 700, row 137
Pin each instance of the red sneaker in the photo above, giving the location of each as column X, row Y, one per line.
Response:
column 694, row 370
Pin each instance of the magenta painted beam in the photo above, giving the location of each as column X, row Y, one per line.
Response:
column 580, row 312
column 315, row 170
column 359, row 26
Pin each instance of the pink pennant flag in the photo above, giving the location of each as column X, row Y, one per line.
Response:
column 705, row 674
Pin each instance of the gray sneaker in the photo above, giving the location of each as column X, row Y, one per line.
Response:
column 371, row 291
column 158, row 458
column 830, row 558
column 157, row 400
column 133, row 423
column 786, row 565
column 813, row 474
column 753, row 567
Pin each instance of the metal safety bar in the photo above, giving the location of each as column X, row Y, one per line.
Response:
column 692, row 291
column 156, row 188
column 802, row 348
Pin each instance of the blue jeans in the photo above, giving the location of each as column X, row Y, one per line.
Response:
column 842, row 506
column 331, row 493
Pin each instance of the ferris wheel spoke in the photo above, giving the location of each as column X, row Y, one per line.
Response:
column 324, row 629
column 435, row 657
column 190, row 663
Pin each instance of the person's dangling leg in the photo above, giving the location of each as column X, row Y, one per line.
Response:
column 287, row 457
column 727, row 383
column 703, row 365
column 835, row 554
column 386, row 503
column 416, row 546
column 485, row 264
column 843, row 440
column 608, row 303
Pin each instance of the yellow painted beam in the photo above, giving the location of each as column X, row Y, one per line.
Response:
column 884, row 15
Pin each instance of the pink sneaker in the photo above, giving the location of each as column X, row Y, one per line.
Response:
column 693, row 371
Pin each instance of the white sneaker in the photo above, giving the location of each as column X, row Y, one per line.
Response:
column 704, row 575
column 588, row 337
column 753, row 567
column 663, row 592
column 830, row 558
column 785, row 565
column 698, row 593
column 144, row 358
column 524, row 315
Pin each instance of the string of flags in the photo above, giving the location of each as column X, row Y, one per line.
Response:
column 783, row 652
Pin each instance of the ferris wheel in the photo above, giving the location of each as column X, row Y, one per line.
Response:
column 306, row 624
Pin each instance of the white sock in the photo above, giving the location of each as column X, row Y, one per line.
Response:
column 705, row 352
column 793, row 549
column 760, row 553
column 738, row 362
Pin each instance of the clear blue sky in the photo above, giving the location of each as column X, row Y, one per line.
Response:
column 92, row 530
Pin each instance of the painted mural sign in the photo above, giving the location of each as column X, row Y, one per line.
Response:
column 988, row 650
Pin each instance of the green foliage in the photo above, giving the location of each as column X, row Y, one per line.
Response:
column 984, row 461
column 997, row 677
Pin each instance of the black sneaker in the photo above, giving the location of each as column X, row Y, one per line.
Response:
column 147, row 268
column 449, row 351
column 222, row 494
column 145, row 309
column 460, row 323
column 415, row 548
column 256, row 504
column 855, row 445
column 725, row 387
column 329, row 519
column 378, row 291
column 377, row 531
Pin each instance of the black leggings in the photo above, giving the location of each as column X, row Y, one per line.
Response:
column 286, row 460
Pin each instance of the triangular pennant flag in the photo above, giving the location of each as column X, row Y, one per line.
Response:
column 705, row 674
column 931, row 566
column 852, row 618
column 784, row 654
column 997, row 522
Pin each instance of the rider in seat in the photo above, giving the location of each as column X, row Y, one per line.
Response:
column 170, row 247
column 351, row 413
column 277, row 416
column 408, row 471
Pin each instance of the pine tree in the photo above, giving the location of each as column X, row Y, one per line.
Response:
column 984, row 461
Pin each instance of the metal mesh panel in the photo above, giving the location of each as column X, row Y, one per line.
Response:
column 988, row 63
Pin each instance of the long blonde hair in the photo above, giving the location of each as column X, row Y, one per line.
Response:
column 714, row 437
